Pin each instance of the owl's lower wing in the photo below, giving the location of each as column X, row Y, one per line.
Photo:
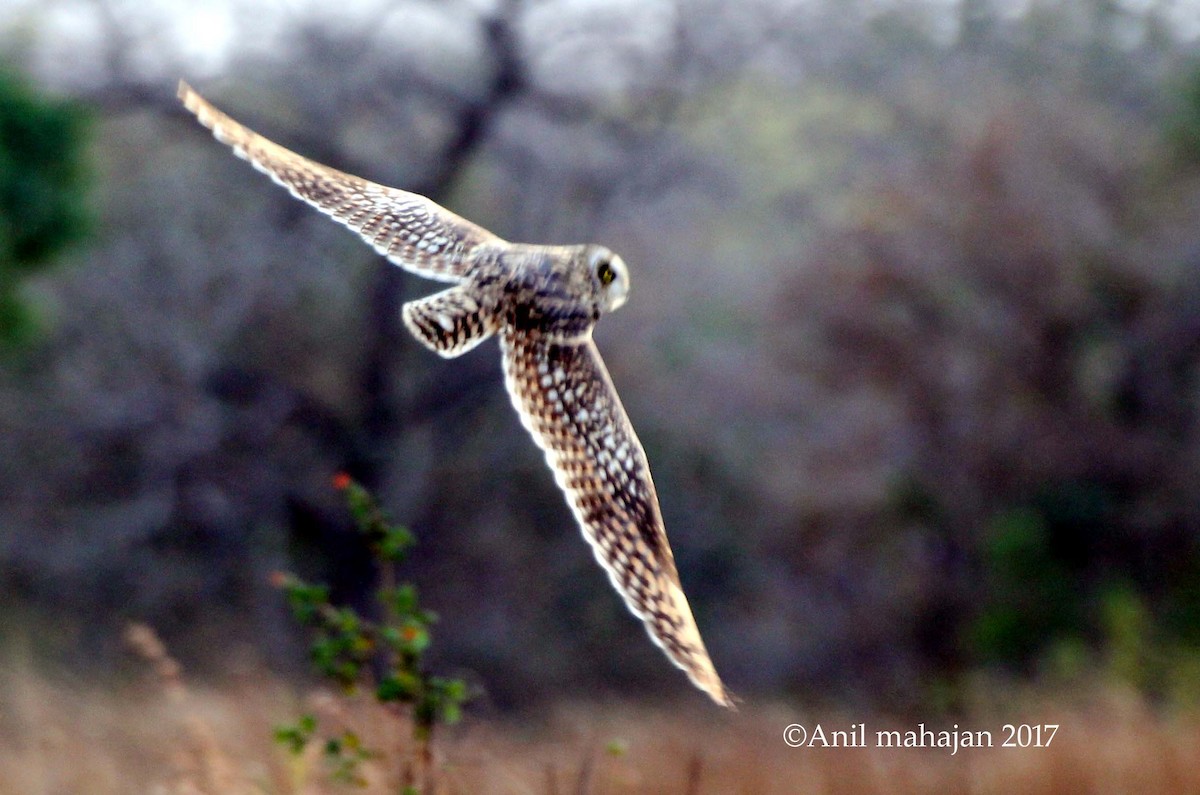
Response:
column 566, row 399
column 410, row 230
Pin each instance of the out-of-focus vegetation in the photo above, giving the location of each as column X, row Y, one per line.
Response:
column 912, row 342
column 384, row 659
column 192, row 740
column 42, row 193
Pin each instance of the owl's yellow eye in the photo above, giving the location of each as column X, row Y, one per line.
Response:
column 605, row 273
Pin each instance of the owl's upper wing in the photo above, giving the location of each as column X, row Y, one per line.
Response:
column 566, row 399
column 408, row 229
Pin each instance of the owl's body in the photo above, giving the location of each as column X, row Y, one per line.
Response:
column 548, row 288
column 542, row 302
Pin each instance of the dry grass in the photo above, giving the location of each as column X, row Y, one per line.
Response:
column 168, row 738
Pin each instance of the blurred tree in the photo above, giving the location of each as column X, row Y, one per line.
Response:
column 1000, row 307
column 976, row 22
column 43, row 185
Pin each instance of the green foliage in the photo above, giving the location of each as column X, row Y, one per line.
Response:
column 347, row 648
column 1127, row 631
column 1032, row 597
column 1050, row 600
column 295, row 737
column 344, row 753
column 1183, row 128
column 42, row 192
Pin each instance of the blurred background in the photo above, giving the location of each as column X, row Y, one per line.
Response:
column 913, row 342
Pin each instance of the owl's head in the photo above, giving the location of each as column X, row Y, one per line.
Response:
column 610, row 277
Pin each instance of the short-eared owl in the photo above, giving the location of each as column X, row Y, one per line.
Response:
column 542, row 302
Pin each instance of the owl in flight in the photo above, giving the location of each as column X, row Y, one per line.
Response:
column 542, row 302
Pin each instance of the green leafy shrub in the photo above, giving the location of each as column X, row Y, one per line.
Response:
column 383, row 657
column 42, row 192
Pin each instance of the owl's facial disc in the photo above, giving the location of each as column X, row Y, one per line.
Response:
column 611, row 275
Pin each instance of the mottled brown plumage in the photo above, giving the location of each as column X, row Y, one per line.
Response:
column 542, row 302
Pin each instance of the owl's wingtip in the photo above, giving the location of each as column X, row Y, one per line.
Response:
column 715, row 689
column 190, row 99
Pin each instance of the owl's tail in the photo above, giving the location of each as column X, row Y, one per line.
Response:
column 449, row 323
